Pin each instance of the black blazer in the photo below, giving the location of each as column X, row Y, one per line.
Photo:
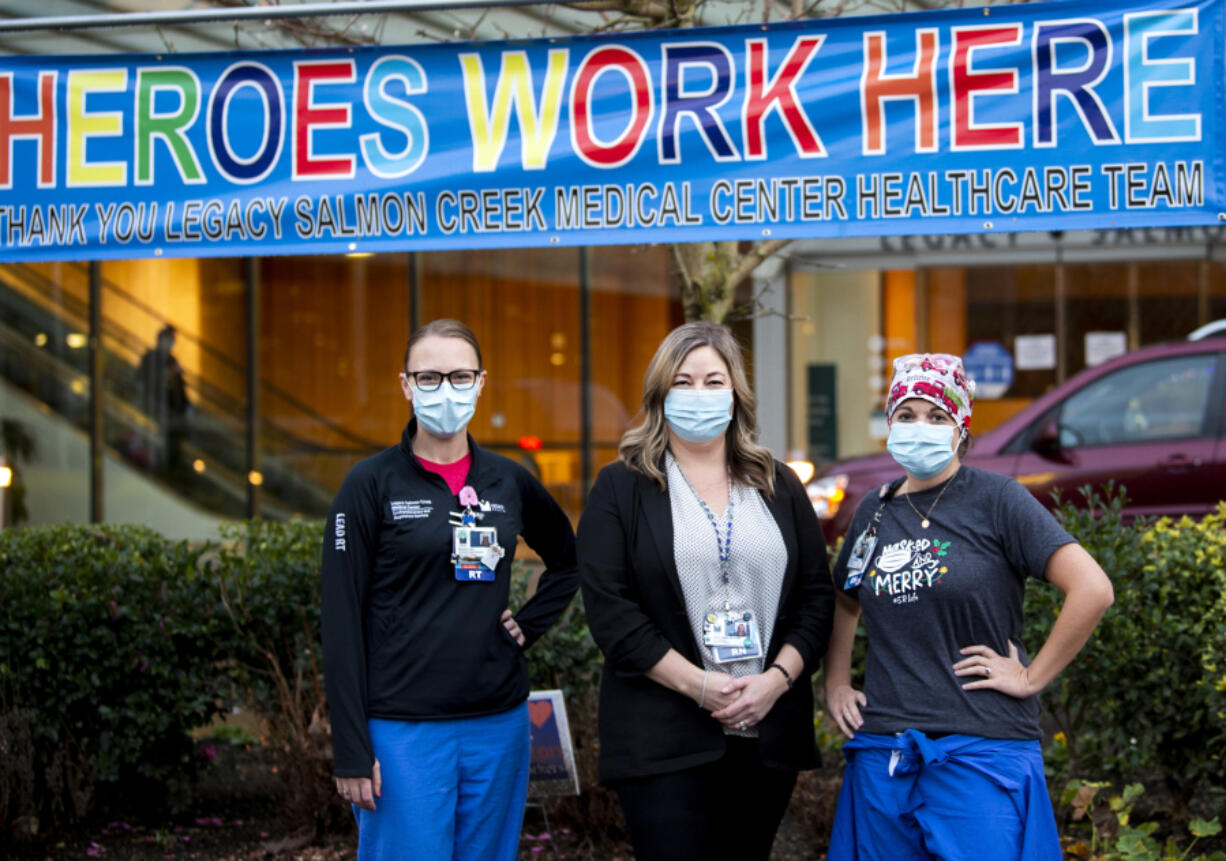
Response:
column 636, row 612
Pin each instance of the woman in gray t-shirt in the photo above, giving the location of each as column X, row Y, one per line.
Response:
column 944, row 758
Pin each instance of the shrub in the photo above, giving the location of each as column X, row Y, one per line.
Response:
column 108, row 651
column 267, row 578
column 1144, row 700
column 1105, row 828
column 116, row 643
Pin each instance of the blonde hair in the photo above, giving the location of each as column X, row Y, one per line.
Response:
column 642, row 447
column 444, row 327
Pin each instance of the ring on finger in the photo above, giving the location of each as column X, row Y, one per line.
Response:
column 987, row 671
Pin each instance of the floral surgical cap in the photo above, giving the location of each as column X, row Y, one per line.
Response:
column 938, row 378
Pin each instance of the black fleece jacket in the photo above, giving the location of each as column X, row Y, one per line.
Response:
column 402, row 638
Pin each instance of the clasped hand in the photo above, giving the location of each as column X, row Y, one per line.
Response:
column 739, row 703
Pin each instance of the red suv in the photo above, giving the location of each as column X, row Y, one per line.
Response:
column 1152, row 420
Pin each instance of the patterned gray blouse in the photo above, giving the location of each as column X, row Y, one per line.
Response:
column 758, row 559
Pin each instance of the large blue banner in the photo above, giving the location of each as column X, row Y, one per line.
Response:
column 1041, row 116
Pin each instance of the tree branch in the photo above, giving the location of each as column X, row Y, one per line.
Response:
column 682, row 267
column 636, row 8
column 754, row 258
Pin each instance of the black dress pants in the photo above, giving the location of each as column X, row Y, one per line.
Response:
column 728, row 810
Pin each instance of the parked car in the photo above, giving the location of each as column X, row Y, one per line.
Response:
column 1151, row 420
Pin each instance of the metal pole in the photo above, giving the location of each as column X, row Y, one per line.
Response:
column 96, row 414
column 789, row 357
column 1134, row 306
column 415, row 319
column 251, row 271
column 1203, row 276
column 254, row 13
column 1062, row 346
column 585, row 369
column 923, row 319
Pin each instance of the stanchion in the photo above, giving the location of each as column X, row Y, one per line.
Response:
column 553, row 844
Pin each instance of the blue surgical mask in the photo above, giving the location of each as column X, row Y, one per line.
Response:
column 922, row 449
column 698, row 415
column 444, row 411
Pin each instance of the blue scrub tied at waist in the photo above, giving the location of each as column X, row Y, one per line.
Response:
column 909, row 796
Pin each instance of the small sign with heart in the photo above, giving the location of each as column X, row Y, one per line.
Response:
column 552, row 770
column 539, row 712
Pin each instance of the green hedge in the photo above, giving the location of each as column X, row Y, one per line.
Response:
column 1145, row 700
column 115, row 644
column 267, row 578
column 108, row 652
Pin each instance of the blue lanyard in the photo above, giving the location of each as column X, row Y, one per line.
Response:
column 722, row 542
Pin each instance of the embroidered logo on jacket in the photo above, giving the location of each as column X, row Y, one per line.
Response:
column 411, row 509
column 338, row 529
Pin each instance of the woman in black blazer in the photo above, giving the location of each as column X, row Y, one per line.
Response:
column 706, row 586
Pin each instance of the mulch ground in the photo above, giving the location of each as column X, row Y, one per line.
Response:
column 212, row 839
column 234, row 814
column 236, row 807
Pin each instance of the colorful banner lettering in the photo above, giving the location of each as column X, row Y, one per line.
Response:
column 1059, row 115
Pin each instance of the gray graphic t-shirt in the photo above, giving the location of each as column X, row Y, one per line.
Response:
column 926, row 593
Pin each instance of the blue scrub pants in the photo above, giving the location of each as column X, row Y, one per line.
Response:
column 452, row 789
column 958, row 798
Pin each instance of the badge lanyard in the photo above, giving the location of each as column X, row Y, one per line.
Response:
column 731, row 635
column 724, row 545
column 866, row 541
column 722, row 542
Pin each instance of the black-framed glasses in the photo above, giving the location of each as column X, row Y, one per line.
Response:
column 428, row 381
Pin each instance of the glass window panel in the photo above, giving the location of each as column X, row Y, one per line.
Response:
column 1168, row 300
column 1217, row 290
column 174, row 347
column 332, row 335
column 44, row 391
column 635, row 303
column 839, row 367
column 1007, row 301
column 1154, row 401
column 1097, row 301
column 523, row 306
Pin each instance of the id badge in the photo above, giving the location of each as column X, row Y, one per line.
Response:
column 473, row 572
column 732, row 635
column 473, row 542
column 857, row 561
column 475, row 552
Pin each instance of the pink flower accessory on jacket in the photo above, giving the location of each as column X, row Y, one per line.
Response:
column 468, row 496
column 938, row 378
